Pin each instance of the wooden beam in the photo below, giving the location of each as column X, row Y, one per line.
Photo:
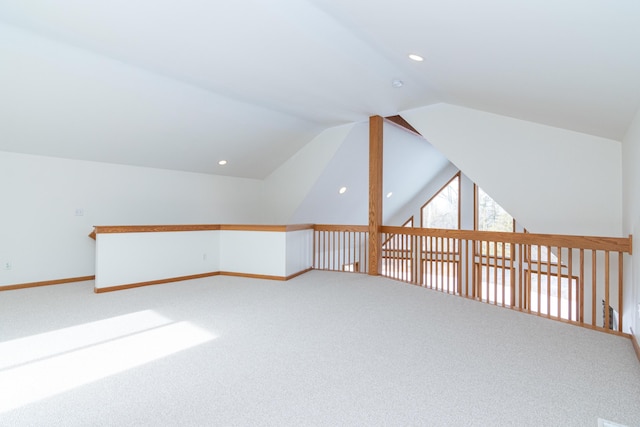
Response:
column 375, row 194
column 400, row 121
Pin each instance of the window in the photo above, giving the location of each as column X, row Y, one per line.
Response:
column 490, row 216
column 443, row 209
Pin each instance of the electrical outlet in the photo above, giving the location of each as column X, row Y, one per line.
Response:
column 79, row 212
column 7, row 265
column 204, row 257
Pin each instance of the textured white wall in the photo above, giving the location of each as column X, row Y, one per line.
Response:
column 43, row 238
column 552, row 180
column 631, row 221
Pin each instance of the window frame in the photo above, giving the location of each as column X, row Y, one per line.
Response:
column 437, row 193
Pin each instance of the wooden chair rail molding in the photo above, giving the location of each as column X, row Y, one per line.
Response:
column 106, row 229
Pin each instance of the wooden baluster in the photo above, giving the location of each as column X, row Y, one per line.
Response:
column 474, row 272
column 466, row 263
column 559, row 284
column 620, row 290
column 445, row 250
column 515, row 291
column 521, row 285
column 593, row 288
column 327, row 250
column 321, row 252
column 434, row 265
column 570, row 305
column 353, row 253
column 607, row 272
column 434, row 260
column 363, row 254
column 488, row 273
column 451, row 266
column 396, row 259
column 315, row 250
column 396, row 244
column 402, row 259
column 504, row 268
column 539, row 279
column 458, row 269
column 495, row 273
column 427, row 257
column 580, row 289
column 422, row 260
column 332, row 245
column 443, row 257
column 343, row 249
column 405, row 261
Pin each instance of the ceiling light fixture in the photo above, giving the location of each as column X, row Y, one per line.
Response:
column 415, row 57
column 342, row 190
column 389, row 194
column 397, row 83
column 222, row 162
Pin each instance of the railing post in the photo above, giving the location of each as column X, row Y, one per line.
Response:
column 375, row 194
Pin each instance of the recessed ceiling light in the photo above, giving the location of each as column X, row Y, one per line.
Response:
column 389, row 194
column 415, row 57
column 397, row 83
column 342, row 190
column 222, row 162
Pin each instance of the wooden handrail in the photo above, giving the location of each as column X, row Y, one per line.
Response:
column 351, row 228
column 110, row 229
column 615, row 244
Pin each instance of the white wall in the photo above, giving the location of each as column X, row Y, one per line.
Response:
column 552, row 180
column 253, row 252
column 631, row 220
column 299, row 251
column 271, row 253
column 286, row 188
column 127, row 258
column 43, row 239
column 131, row 258
column 349, row 167
column 409, row 163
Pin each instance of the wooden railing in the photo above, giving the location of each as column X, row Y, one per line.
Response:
column 569, row 278
column 341, row 248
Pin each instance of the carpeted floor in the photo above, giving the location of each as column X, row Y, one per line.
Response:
column 323, row 349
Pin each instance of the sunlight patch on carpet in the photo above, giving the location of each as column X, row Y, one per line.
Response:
column 49, row 376
column 34, row 347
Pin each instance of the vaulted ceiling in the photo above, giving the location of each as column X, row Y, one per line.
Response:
column 183, row 84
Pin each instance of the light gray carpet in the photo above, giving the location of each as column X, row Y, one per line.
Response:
column 322, row 349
